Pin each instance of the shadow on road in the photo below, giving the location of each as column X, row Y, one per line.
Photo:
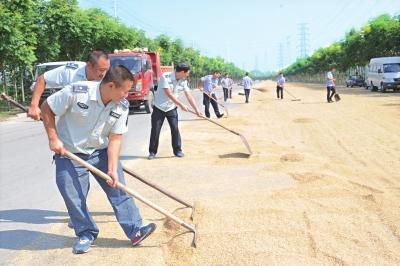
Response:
column 23, row 240
column 234, row 155
column 134, row 157
column 35, row 240
column 36, row 216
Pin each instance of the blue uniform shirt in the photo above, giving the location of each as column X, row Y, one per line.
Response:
column 209, row 83
column 84, row 122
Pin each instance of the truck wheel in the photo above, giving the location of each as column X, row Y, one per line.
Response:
column 148, row 104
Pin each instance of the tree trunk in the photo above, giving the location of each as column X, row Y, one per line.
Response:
column 15, row 84
column 4, row 81
column 5, row 87
column 22, row 86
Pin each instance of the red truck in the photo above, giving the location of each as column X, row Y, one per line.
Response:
column 146, row 67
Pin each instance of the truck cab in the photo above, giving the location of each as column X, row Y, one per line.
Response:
column 146, row 68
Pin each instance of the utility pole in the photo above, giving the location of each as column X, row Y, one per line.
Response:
column 255, row 62
column 228, row 52
column 115, row 8
column 280, row 56
column 304, row 36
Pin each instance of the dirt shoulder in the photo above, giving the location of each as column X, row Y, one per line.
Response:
column 322, row 187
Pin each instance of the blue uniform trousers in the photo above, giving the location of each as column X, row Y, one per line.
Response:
column 73, row 183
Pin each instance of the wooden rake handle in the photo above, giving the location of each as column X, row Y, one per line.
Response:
column 129, row 191
column 218, row 102
column 244, row 140
column 212, row 121
column 157, row 187
column 14, row 102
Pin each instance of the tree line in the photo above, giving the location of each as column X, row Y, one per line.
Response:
column 380, row 37
column 37, row 31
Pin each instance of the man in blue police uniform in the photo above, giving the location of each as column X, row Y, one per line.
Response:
column 209, row 83
column 171, row 85
column 92, row 119
column 95, row 68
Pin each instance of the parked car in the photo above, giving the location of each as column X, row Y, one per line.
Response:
column 384, row 73
column 355, row 80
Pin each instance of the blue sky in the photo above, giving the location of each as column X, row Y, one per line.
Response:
column 248, row 33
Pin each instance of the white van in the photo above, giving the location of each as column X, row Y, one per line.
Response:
column 384, row 73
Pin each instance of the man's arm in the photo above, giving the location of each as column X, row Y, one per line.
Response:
column 113, row 150
column 48, row 117
column 168, row 92
column 34, row 109
column 192, row 102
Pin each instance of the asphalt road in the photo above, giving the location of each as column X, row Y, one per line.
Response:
column 29, row 198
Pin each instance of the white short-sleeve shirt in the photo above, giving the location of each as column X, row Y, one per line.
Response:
column 84, row 122
column 168, row 81
column 64, row 75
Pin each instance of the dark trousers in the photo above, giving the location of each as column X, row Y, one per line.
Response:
column 247, row 94
column 157, row 120
column 230, row 93
column 207, row 101
column 330, row 91
column 279, row 90
column 226, row 93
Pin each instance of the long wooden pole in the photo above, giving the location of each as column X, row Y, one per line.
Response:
column 244, row 140
column 130, row 191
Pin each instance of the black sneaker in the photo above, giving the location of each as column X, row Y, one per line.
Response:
column 143, row 232
column 151, row 156
column 179, row 154
column 221, row 115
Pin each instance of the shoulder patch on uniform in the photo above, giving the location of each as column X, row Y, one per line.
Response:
column 124, row 103
column 82, row 105
column 72, row 65
column 114, row 114
column 80, row 88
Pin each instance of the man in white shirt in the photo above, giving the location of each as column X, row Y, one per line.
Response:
column 227, row 83
column 97, row 64
column 171, row 85
column 330, row 85
column 247, row 83
column 280, row 82
column 92, row 121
